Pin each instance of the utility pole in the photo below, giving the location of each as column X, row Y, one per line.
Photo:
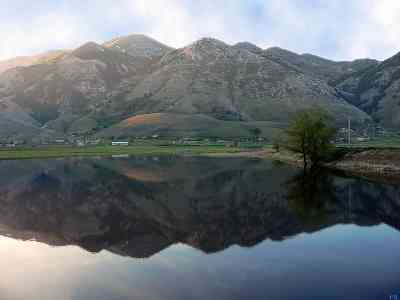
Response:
column 349, row 131
column 349, row 208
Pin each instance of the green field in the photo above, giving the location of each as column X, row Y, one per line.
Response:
column 67, row 151
column 163, row 147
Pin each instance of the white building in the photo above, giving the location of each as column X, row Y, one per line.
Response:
column 120, row 143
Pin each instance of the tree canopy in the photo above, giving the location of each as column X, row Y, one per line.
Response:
column 310, row 133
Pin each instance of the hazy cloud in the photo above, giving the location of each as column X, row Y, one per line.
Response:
column 338, row 29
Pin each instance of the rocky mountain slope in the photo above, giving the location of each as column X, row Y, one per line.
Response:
column 231, row 83
column 370, row 85
column 330, row 71
column 376, row 91
column 95, row 88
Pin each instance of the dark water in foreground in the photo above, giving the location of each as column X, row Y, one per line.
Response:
column 165, row 228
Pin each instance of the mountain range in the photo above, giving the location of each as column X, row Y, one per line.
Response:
column 137, row 86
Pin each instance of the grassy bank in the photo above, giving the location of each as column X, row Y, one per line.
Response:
column 66, row 151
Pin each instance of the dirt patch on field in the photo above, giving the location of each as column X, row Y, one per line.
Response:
column 142, row 119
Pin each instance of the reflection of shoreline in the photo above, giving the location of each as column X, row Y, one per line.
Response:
column 209, row 204
column 378, row 164
column 382, row 165
column 121, row 156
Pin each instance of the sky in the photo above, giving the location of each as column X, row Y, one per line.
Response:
column 339, row 29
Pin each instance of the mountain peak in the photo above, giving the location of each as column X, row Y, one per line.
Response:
column 138, row 45
column 129, row 38
column 87, row 49
column 204, row 50
column 249, row 47
column 210, row 42
column 89, row 45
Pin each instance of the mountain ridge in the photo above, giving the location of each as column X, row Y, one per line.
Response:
column 104, row 84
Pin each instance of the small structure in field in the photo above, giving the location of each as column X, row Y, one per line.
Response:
column 121, row 143
column 60, row 141
column 362, row 139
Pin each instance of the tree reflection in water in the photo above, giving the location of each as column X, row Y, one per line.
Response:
column 310, row 193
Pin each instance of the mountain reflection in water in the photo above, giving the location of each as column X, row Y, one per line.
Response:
column 139, row 206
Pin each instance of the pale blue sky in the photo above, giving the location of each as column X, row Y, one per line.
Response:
column 338, row 29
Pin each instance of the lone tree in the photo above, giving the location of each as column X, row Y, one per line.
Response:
column 310, row 134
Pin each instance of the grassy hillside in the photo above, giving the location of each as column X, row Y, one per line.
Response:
column 183, row 125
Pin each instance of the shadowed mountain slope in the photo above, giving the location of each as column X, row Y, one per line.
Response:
column 377, row 91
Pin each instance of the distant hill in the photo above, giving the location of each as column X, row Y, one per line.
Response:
column 208, row 84
column 24, row 61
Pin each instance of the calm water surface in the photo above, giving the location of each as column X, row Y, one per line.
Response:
column 168, row 228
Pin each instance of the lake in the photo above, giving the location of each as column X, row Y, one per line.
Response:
column 193, row 228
